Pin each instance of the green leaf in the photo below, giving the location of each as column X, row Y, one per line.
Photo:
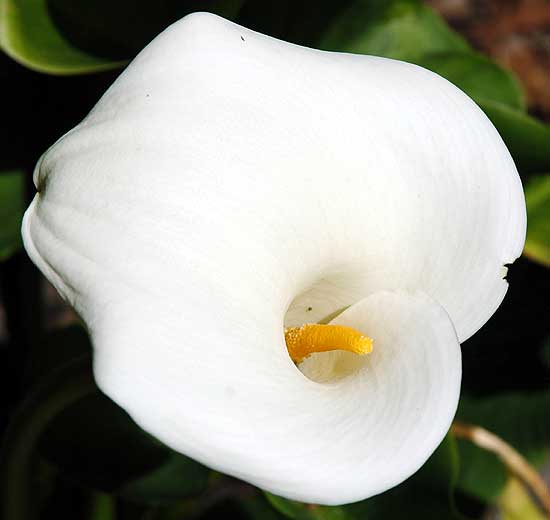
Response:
column 477, row 76
column 401, row 29
column 77, row 36
column 427, row 495
column 12, row 206
column 537, row 198
column 410, row 31
column 29, row 35
column 521, row 419
column 527, row 139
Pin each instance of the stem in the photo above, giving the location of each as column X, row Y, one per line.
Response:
column 62, row 388
column 513, row 460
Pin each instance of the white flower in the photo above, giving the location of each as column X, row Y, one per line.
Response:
column 228, row 185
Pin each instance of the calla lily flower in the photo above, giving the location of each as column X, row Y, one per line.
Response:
column 277, row 252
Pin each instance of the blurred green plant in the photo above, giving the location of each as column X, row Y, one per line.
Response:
column 537, row 198
column 29, row 36
column 400, row 29
column 103, row 507
column 62, row 37
column 410, row 31
column 66, row 37
column 521, row 419
column 12, row 206
column 67, row 420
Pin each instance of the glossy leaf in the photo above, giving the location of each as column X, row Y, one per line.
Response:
column 12, row 204
column 401, row 29
column 537, row 198
column 527, row 139
column 521, row 419
column 477, row 76
column 408, row 30
column 426, row 495
column 77, row 37
column 29, row 35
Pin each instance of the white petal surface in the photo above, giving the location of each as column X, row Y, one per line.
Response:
column 226, row 176
column 358, row 173
column 258, row 418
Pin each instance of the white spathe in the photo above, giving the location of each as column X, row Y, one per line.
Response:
column 227, row 176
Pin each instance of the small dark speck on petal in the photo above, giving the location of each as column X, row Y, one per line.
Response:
column 309, row 309
column 242, row 37
column 147, row 95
